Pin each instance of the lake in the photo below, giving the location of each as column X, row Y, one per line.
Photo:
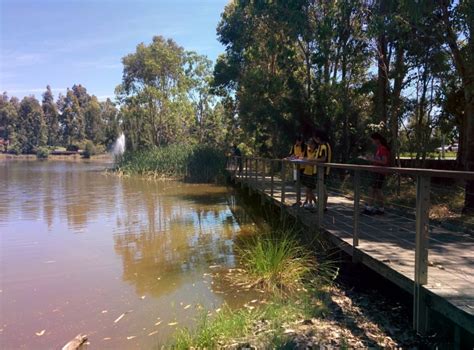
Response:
column 124, row 260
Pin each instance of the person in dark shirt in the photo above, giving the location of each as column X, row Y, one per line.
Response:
column 237, row 153
column 380, row 158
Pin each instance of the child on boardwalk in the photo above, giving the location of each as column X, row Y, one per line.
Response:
column 380, row 158
column 323, row 155
column 308, row 179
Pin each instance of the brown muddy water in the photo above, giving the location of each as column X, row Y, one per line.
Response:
column 79, row 249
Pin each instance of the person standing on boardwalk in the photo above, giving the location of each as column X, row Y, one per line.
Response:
column 297, row 152
column 298, row 149
column 308, row 179
column 238, row 154
column 380, row 158
column 323, row 155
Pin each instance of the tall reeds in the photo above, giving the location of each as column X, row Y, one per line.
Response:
column 194, row 163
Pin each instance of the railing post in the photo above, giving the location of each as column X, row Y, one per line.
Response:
column 237, row 160
column 298, row 183
column 246, row 169
column 256, row 173
column 320, row 173
column 355, row 228
column 272, row 182
column 283, row 175
column 420, row 309
column 242, row 174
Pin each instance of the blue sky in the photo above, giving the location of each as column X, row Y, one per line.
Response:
column 64, row 42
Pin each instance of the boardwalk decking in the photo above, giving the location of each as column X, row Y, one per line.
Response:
column 387, row 245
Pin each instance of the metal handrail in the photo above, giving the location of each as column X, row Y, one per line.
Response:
column 454, row 174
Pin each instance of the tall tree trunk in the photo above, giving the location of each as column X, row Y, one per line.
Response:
column 466, row 72
column 382, row 79
column 399, row 72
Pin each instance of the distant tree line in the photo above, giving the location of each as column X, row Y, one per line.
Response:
column 70, row 121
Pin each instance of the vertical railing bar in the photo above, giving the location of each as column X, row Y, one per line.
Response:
column 298, row 183
column 355, row 232
column 320, row 175
column 283, row 176
column 271, row 178
column 256, row 173
column 420, row 311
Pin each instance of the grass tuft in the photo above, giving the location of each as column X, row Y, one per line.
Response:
column 275, row 262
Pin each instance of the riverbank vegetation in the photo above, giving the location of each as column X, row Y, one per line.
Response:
column 308, row 311
column 198, row 163
column 275, row 263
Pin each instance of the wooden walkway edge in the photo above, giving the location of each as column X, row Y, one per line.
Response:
column 386, row 244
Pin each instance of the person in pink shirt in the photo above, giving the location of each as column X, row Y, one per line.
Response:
column 380, row 158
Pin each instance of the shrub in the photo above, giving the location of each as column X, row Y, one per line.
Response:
column 42, row 153
column 89, row 150
column 194, row 163
column 205, row 164
column 72, row 148
column 14, row 149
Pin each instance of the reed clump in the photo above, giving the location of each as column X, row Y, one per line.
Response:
column 275, row 262
column 199, row 163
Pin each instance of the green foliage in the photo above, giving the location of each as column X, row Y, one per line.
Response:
column 206, row 164
column 195, row 163
column 72, row 148
column 230, row 325
column 42, row 153
column 31, row 130
column 275, row 262
column 89, row 150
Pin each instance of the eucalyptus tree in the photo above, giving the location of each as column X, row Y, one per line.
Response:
column 31, row 127
column 153, row 93
column 51, row 116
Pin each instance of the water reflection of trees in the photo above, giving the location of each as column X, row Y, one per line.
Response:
column 75, row 192
column 172, row 229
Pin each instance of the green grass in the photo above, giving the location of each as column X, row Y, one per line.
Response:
column 231, row 326
column 430, row 155
column 195, row 163
column 273, row 261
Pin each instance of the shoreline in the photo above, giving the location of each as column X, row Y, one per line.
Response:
column 73, row 158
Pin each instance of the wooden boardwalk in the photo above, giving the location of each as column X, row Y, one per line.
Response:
column 387, row 245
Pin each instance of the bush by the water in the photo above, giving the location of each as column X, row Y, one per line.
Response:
column 42, row 153
column 89, row 150
column 72, row 148
column 275, row 262
column 195, row 163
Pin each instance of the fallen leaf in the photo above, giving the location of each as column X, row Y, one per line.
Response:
column 39, row 334
column 142, row 297
column 187, row 306
column 218, row 310
column 107, row 338
column 172, row 323
column 152, row 333
column 131, row 337
column 104, row 311
column 158, row 323
column 119, row 318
